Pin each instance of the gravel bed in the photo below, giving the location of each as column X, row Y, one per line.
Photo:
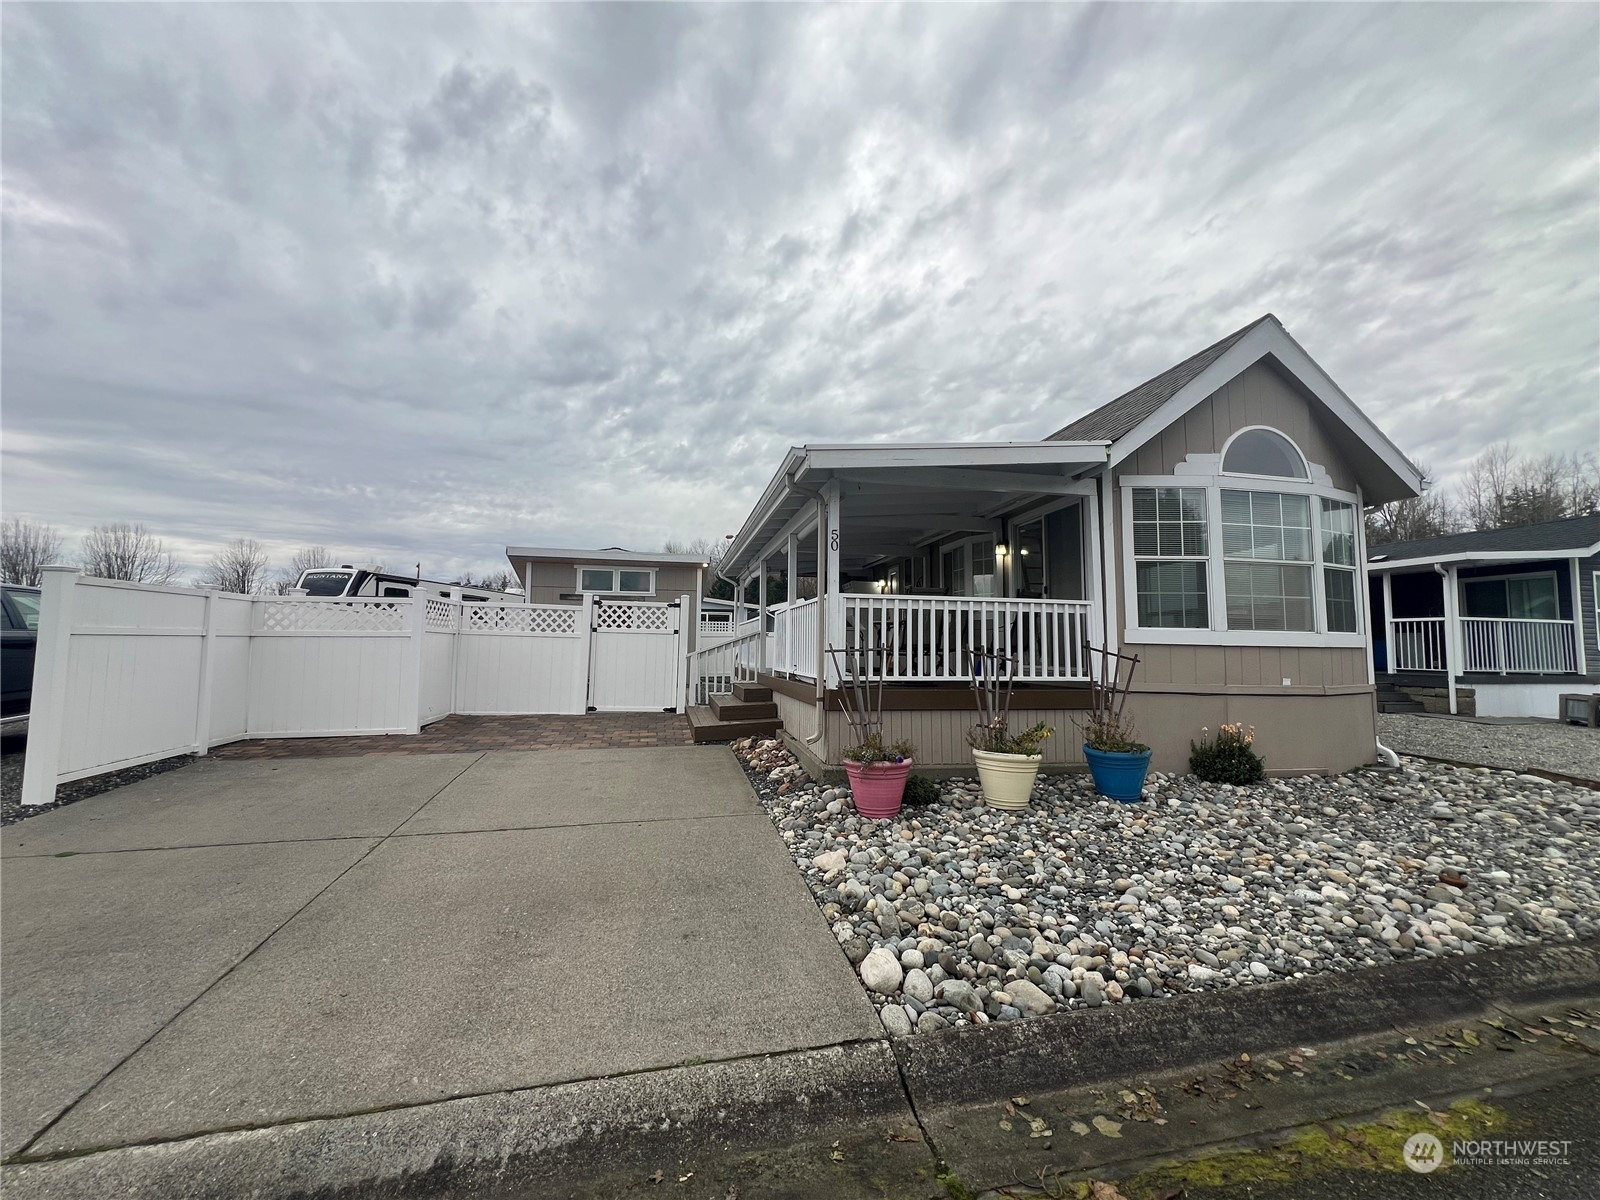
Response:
column 956, row 913
column 12, row 811
column 1565, row 749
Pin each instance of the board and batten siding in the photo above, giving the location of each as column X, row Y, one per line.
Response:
column 1185, row 687
column 1588, row 619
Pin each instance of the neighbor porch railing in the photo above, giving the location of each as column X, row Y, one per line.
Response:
column 931, row 639
column 1418, row 644
column 1509, row 645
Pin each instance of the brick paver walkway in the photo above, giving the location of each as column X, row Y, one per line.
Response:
column 595, row 731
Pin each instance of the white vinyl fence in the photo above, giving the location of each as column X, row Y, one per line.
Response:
column 127, row 674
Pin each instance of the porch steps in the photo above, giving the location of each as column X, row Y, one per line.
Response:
column 751, row 693
column 704, row 725
column 1393, row 700
column 731, row 708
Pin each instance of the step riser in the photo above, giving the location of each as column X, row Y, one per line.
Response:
column 727, row 709
column 732, row 731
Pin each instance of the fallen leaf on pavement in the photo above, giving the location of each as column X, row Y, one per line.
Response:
column 1099, row 1189
column 1108, row 1127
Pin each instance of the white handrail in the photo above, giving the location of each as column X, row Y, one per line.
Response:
column 1519, row 645
column 1419, row 644
column 713, row 670
column 932, row 638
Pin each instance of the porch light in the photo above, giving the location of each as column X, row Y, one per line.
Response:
column 1001, row 550
column 1023, row 551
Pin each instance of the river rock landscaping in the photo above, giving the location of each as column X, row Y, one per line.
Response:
column 956, row 913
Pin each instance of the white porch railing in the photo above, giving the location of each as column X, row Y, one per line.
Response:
column 713, row 670
column 1418, row 644
column 933, row 637
column 794, row 639
column 1511, row 645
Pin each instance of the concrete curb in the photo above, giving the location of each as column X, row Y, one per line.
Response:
column 834, row 1121
column 1071, row 1049
column 600, row 1137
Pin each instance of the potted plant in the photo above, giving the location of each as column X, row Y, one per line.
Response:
column 878, row 775
column 1117, row 760
column 1008, row 763
column 877, row 771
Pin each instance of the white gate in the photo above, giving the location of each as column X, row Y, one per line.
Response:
column 636, row 656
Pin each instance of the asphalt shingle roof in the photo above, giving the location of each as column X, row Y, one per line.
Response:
column 1572, row 533
column 1111, row 421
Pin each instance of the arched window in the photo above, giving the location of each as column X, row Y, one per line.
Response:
column 1264, row 452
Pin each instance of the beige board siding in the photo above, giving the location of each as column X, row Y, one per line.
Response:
column 1295, row 734
column 1205, row 668
column 1256, row 396
column 940, row 738
column 799, row 717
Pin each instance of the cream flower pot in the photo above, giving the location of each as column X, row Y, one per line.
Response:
column 1007, row 778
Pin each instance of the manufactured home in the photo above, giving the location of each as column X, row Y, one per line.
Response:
column 1207, row 520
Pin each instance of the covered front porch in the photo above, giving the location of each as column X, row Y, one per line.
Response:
column 1477, row 623
column 923, row 556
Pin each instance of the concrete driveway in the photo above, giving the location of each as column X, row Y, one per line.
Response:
column 246, row 943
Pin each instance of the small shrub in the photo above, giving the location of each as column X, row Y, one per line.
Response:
column 998, row 739
column 921, row 790
column 1111, row 733
column 1228, row 757
column 874, row 751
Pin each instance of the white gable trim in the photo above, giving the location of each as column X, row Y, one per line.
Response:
column 1270, row 337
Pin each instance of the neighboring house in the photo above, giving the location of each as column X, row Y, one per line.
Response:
column 1499, row 623
column 1208, row 521
column 561, row 576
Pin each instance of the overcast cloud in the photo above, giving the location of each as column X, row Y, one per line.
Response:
column 419, row 282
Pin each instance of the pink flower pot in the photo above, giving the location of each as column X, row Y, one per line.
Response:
column 878, row 788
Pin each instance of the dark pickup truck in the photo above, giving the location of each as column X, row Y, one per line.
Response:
column 20, row 607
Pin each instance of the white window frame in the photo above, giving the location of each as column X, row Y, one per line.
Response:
column 964, row 548
column 1234, row 436
column 616, row 573
column 1217, row 633
column 1555, row 590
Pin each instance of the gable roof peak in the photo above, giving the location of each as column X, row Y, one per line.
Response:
column 1112, row 420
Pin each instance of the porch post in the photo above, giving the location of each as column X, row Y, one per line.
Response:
column 761, row 618
column 1094, row 577
column 1579, row 661
column 820, row 666
column 1111, row 560
column 835, row 601
column 1388, row 622
column 791, row 581
column 527, row 582
column 1452, row 649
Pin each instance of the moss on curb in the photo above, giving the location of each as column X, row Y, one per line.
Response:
column 1366, row 1146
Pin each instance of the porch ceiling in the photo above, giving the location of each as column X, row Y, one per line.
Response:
column 891, row 495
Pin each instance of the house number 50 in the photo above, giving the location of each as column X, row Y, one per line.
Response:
column 833, row 539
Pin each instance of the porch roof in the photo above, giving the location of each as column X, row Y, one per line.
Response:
column 1570, row 537
column 893, row 490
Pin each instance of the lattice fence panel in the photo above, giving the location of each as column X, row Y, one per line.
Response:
column 441, row 616
column 633, row 618
column 335, row 616
column 551, row 619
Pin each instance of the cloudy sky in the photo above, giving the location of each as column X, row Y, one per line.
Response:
column 418, row 282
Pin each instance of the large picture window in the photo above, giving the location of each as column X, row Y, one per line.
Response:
column 1264, row 552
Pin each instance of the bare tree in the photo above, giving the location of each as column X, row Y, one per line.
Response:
column 1428, row 515
column 310, row 558
column 1503, row 488
column 26, row 549
column 123, row 551
column 240, row 566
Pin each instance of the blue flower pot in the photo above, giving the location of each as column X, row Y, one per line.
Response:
column 1118, row 776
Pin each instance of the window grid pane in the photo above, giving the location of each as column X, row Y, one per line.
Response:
column 1169, row 522
column 1340, row 599
column 634, row 581
column 1172, row 595
column 1338, row 533
column 597, row 581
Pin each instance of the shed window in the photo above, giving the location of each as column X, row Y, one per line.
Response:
column 1264, row 452
column 609, row 581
